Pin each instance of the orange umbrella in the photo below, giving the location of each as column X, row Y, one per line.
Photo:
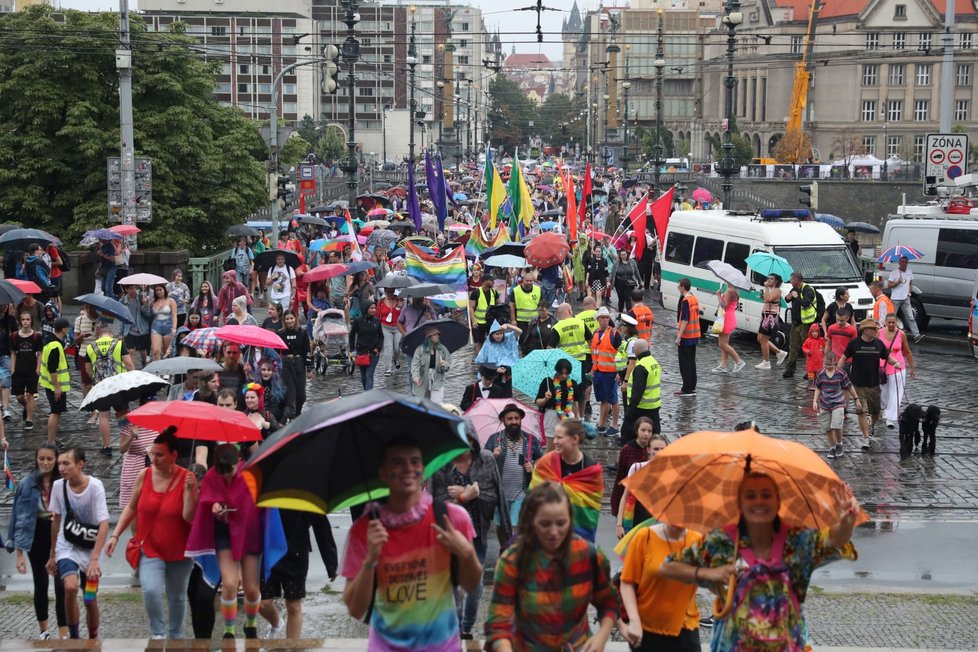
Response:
column 694, row 481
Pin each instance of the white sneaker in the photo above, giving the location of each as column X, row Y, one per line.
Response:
column 719, row 370
column 866, row 443
column 890, row 425
column 764, row 365
column 740, row 365
column 781, row 356
column 44, row 636
column 277, row 632
column 6, row 414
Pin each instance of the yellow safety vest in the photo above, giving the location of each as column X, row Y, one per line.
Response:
column 808, row 314
column 103, row 344
column 571, row 333
column 62, row 376
column 526, row 302
column 621, row 357
column 651, row 398
column 589, row 317
column 482, row 305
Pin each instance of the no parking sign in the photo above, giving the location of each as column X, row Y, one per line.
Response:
column 946, row 159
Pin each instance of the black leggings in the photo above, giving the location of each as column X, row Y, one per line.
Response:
column 294, row 377
column 201, row 600
column 624, row 291
column 38, row 555
column 688, row 640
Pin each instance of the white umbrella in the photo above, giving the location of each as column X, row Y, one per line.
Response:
column 729, row 274
column 143, row 279
column 122, row 388
column 181, row 365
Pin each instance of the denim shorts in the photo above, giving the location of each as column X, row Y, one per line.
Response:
column 5, row 371
column 162, row 327
column 68, row 567
column 606, row 387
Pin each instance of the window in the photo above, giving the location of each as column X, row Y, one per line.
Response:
column 926, row 41
column 222, row 87
column 244, row 89
column 923, row 74
column 921, row 110
column 869, row 144
column 243, row 69
column 426, row 59
column 736, row 255
column 796, row 43
column 963, row 75
column 869, row 110
column 893, row 146
column 387, row 58
column 264, row 89
column 465, row 27
column 289, row 107
column 679, row 248
column 821, row 264
column 219, row 31
column 463, row 61
column 961, row 110
column 264, row 70
column 896, row 74
column 918, row 148
column 900, row 11
column 365, row 91
column 873, row 41
column 288, row 89
column 225, row 68
column 463, row 43
column 894, row 110
column 957, row 248
column 899, row 40
column 966, row 40
column 707, row 249
column 871, row 74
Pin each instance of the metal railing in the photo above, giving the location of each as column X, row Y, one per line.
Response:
column 208, row 268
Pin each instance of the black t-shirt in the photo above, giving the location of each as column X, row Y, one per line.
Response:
column 566, row 469
column 866, row 356
column 548, row 385
column 25, row 349
column 274, row 326
column 831, row 310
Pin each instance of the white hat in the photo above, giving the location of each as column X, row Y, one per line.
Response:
column 603, row 312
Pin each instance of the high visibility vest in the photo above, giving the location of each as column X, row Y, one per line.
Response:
column 652, row 396
column 571, row 334
column 643, row 315
column 809, row 314
column 603, row 352
column 526, row 303
column 692, row 330
column 482, row 306
column 621, row 356
column 590, row 319
column 882, row 308
column 103, row 344
column 61, row 375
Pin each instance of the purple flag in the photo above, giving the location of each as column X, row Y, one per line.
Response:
column 435, row 182
column 413, row 209
column 441, row 206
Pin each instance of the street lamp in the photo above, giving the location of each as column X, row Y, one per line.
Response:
column 412, row 62
column 659, row 64
column 731, row 19
column 886, row 145
column 383, row 127
column 607, row 120
column 624, row 152
column 457, row 130
column 350, row 52
column 440, row 85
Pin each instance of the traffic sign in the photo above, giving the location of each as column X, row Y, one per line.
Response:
column 944, row 161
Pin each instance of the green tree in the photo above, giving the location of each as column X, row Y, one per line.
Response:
column 559, row 121
column 972, row 147
column 295, row 151
column 59, row 121
column 647, row 138
column 510, row 114
column 743, row 152
column 331, row 144
column 307, row 128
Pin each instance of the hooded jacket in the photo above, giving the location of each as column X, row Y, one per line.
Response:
column 499, row 354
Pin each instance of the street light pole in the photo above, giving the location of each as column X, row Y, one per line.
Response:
column 351, row 54
column 886, row 146
column 383, row 127
column 731, row 19
column 412, row 62
column 659, row 64
column 624, row 152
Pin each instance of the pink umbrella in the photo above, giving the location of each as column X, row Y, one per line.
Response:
column 362, row 239
column 459, row 227
column 377, row 212
column 484, row 416
column 324, row 272
column 702, row 195
column 125, row 229
column 250, row 336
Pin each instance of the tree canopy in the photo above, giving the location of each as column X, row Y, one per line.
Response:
column 59, row 121
column 510, row 114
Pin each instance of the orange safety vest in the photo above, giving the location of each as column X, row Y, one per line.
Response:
column 643, row 315
column 603, row 352
column 692, row 330
column 882, row 300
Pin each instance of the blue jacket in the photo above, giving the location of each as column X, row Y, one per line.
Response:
column 23, row 518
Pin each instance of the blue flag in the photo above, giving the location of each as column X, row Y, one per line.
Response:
column 413, row 208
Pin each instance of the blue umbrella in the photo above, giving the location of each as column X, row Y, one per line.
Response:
column 766, row 263
column 103, row 234
column 831, row 220
column 530, row 371
column 460, row 196
column 18, row 239
column 105, row 304
column 359, row 266
column 548, row 226
column 505, row 260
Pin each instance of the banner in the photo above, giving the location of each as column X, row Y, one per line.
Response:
column 430, row 268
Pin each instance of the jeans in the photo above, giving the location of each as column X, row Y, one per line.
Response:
column 392, row 346
column 687, row 368
column 548, row 291
column 367, row 373
column 108, row 280
column 904, row 311
column 469, row 607
column 165, row 580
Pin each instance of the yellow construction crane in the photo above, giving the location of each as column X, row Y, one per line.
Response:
column 798, row 149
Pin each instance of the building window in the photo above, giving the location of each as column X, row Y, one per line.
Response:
column 869, row 110
column 288, row 89
column 225, row 68
column 921, row 110
column 243, row 69
column 873, row 41
column 463, row 61
column 365, row 91
column 963, row 75
column 222, row 87
column 899, row 40
column 387, row 58
column 289, row 107
column 463, row 43
column 869, row 145
column 871, row 72
column 219, row 30
column 900, row 12
column 894, row 110
column 926, row 41
column 896, row 74
column 465, row 27
column 796, row 43
column 264, row 70
column 426, row 59
column 918, row 148
column 893, row 145
column 961, row 110
column 244, row 89
column 966, row 40
column 923, row 74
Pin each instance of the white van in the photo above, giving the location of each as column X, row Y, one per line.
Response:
column 946, row 273
column 812, row 248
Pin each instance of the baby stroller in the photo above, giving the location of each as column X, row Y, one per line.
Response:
column 331, row 339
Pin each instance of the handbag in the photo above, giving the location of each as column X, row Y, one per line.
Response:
column 883, row 378
column 362, row 359
column 229, row 264
column 717, row 327
column 77, row 533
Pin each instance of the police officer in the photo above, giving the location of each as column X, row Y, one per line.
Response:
column 644, row 392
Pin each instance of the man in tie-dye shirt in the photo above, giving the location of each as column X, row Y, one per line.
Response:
column 400, row 561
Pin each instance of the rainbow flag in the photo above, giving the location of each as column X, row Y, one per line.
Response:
column 8, row 475
column 430, row 268
column 479, row 241
column 584, row 489
column 351, row 237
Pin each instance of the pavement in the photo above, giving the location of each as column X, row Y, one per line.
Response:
column 915, row 584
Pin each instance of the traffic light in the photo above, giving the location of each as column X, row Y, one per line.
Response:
column 286, row 191
column 331, row 69
column 810, row 195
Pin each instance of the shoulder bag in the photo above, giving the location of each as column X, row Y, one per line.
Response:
column 77, row 533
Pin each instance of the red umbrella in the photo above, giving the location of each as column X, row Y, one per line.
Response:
column 598, row 235
column 27, row 287
column 125, row 229
column 250, row 336
column 324, row 272
column 196, row 420
column 546, row 250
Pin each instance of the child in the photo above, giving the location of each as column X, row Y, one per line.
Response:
column 814, row 348
column 831, row 386
column 840, row 333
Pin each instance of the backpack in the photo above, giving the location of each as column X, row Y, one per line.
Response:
column 104, row 366
column 37, row 271
column 65, row 263
column 765, row 610
column 819, row 306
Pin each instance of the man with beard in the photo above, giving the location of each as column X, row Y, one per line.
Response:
column 516, row 452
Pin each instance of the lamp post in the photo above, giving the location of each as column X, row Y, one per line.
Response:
column 412, row 62
column 440, row 85
column 457, row 130
column 624, row 152
column 350, row 53
column 604, row 148
column 886, row 145
column 731, row 19
column 383, row 128
column 659, row 64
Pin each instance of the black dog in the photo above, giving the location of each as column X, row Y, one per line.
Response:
column 909, row 429
column 931, row 418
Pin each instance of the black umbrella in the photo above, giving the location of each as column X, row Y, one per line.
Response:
column 321, row 209
column 266, row 259
column 9, row 293
column 453, row 335
column 862, row 227
column 553, row 212
column 315, row 220
column 628, row 183
column 326, row 460
column 506, row 248
column 382, row 185
column 599, row 191
column 426, row 290
column 21, row 239
column 380, row 198
column 242, row 231
column 396, row 282
column 401, row 224
column 107, row 305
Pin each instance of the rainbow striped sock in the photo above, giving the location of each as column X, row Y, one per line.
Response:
column 251, row 612
column 229, row 612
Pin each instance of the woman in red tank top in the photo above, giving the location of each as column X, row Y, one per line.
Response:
column 163, row 502
column 388, row 312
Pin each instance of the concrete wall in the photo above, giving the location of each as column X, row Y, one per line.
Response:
column 80, row 279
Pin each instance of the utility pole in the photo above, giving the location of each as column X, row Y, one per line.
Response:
column 351, row 54
column 412, row 62
column 123, row 63
column 947, row 70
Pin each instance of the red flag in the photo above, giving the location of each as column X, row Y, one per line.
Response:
column 586, row 192
column 571, row 208
column 661, row 210
column 637, row 218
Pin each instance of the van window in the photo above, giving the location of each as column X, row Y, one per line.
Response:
column 822, row 264
column 707, row 249
column 736, row 255
column 679, row 248
column 957, row 248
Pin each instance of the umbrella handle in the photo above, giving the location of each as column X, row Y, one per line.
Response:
column 721, row 607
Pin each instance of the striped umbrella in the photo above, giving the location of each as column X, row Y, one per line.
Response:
column 896, row 252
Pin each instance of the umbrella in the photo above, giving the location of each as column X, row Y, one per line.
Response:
column 10, row 293
column 181, row 365
column 628, row 183
column 702, row 195
column 459, row 227
column 382, row 238
column 453, row 335
column 548, row 226
column 401, row 224
column 315, row 220
column 106, row 305
column 766, row 263
column 382, row 185
column 378, row 212
column 426, row 290
column 9, row 226
column 832, row 220
column 266, row 259
column 121, row 389
column 598, row 235
column 196, row 420
column 27, row 287
column 396, row 282
column 546, row 250
column 338, row 204
column 315, row 210
column 324, row 272
column 505, row 260
column 21, row 239
column 468, row 179
column 507, row 248
column 529, row 371
column 242, row 231
column 323, row 244
column 894, row 253
column 359, row 266
column 326, row 459
column 484, row 417
column 125, row 229
column 729, row 274
column 143, row 279
column 104, row 234
column 202, row 339
column 460, row 196
column 376, row 224
column 380, row 198
column 419, row 240
column 553, row 212
column 250, row 336
column 862, row 227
